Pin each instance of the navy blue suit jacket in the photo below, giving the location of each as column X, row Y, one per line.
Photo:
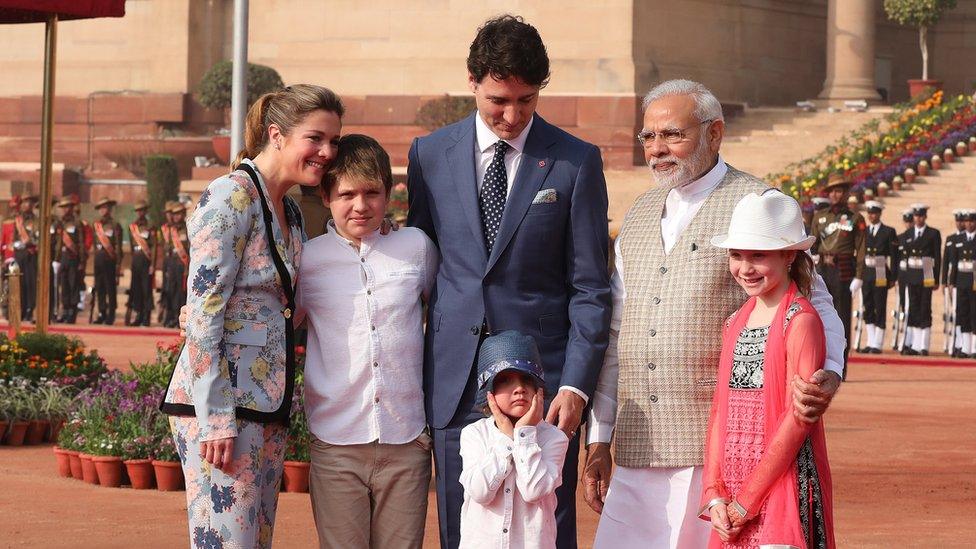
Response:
column 547, row 274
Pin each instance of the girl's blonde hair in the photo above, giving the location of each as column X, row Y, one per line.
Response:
column 801, row 272
column 285, row 108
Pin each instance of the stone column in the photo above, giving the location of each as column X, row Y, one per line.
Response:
column 850, row 51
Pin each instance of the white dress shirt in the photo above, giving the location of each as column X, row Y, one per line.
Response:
column 603, row 414
column 364, row 362
column 484, row 152
column 873, row 228
column 510, row 485
column 683, row 203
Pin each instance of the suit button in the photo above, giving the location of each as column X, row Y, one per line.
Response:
column 652, row 366
column 653, row 398
column 508, row 490
column 475, row 330
column 362, row 260
column 664, row 270
column 653, row 333
column 656, row 300
column 504, row 530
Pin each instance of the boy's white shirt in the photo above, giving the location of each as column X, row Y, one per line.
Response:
column 364, row 362
column 510, row 485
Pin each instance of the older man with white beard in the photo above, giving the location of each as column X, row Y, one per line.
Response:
column 671, row 292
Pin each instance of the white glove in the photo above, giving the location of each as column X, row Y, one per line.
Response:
column 856, row 285
column 56, row 266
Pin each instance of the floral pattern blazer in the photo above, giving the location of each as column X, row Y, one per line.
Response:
column 236, row 363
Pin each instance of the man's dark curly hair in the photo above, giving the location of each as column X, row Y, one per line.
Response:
column 508, row 46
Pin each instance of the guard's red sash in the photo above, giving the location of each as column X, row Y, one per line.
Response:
column 24, row 235
column 178, row 245
column 106, row 243
column 136, row 234
column 68, row 242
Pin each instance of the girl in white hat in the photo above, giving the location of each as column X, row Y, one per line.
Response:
column 766, row 479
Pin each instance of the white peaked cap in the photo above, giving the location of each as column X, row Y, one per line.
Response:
column 770, row 221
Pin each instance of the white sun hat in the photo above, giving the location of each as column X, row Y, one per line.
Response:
column 770, row 221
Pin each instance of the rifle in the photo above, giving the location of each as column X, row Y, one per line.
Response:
column 128, row 307
column 951, row 339
column 858, row 321
column 91, row 308
column 948, row 319
column 903, row 324
column 896, row 322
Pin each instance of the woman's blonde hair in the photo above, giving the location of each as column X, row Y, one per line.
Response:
column 801, row 272
column 285, row 108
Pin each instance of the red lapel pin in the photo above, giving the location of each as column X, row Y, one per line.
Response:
column 542, row 163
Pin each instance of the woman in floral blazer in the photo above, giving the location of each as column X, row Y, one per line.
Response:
column 230, row 395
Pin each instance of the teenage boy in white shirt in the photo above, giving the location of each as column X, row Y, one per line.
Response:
column 362, row 292
column 512, row 460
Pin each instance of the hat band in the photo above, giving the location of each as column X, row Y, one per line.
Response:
column 782, row 239
column 492, row 370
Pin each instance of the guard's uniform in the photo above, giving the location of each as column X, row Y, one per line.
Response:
column 68, row 241
column 901, row 255
column 840, row 245
column 108, row 266
column 878, row 275
column 176, row 264
column 26, row 237
column 949, row 261
column 923, row 254
column 143, row 238
column 7, row 250
column 960, row 277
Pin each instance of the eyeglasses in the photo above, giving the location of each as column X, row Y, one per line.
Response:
column 670, row 136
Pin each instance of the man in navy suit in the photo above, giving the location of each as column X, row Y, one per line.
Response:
column 518, row 209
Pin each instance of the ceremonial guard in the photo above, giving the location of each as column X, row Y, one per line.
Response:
column 164, row 245
column 108, row 261
column 949, row 260
column 26, row 236
column 840, row 244
column 68, row 259
column 960, row 281
column 142, row 239
column 901, row 314
column 923, row 258
column 878, row 275
column 176, row 264
column 7, row 231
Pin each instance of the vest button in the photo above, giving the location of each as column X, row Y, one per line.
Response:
column 664, row 270
column 656, row 300
column 651, row 366
column 653, row 333
column 653, row 398
column 474, row 330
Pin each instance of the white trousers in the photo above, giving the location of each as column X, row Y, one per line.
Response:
column 653, row 508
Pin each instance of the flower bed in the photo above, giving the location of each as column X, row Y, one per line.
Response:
column 880, row 150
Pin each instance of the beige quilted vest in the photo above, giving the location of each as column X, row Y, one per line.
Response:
column 670, row 335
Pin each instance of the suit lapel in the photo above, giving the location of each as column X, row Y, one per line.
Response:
column 460, row 157
column 533, row 168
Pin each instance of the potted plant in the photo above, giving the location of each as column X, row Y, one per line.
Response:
column 921, row 14
column 108, row 464
column 214, row 92
column 69, row 445
column 166, row 465
column 136, row 454
column 38, row 423
column 972, row 144
column 17, row 411
column 297, row 449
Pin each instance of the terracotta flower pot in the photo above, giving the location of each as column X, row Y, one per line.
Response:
column 972, row 144
column 936, row 163
column 64, row 462
column 74, row 459
column 169, row 475
column 88, row 472
column 36, row 431
column 923, row 168
column 109, row 470
column 54, row 429
column 3, row 430
column 949, row 155
column 917, row 86
column 961, row 149
column 221, row 147
column 296, row 476
column 16, row 433
column 141, row 473
column 909, row 176
column 882, row 189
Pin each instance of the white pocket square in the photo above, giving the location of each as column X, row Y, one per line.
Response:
column 545, row 196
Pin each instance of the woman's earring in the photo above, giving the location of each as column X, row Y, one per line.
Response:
column 277, row 145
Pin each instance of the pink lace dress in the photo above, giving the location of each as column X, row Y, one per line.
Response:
column 745, row 441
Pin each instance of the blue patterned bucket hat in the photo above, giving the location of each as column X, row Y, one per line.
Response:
column 508, row 350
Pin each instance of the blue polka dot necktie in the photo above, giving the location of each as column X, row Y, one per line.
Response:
column 493, row 194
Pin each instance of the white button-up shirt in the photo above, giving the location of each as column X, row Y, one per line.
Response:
column 510, row 485
column 364, row 362
column 682, row 206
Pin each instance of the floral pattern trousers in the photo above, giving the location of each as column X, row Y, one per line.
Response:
column 236, row 508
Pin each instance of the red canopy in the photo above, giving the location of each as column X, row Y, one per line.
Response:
column 36, row 11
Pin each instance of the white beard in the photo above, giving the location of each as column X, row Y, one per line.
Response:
column 684, row 171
